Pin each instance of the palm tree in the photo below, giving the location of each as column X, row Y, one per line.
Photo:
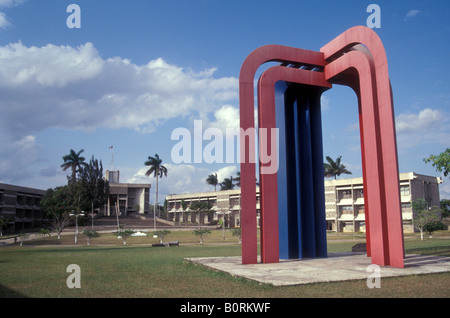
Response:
column 158, row 170
column 212, row 180
column 238, row 179
column 227, row 184
column 73, row 161
column 334, row 168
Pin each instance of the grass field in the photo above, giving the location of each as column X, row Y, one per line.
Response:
column 110, row 269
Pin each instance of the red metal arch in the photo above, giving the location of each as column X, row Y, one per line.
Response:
column 366, row 72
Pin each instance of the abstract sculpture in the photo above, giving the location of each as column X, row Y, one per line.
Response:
column 292, row 208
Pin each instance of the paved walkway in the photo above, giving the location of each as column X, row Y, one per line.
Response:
column 336, row 267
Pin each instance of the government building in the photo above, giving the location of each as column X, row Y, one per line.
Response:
column 125, row 198
column 344, row 203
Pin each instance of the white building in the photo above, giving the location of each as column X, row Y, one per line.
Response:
column 344, row 203
column 125, row 198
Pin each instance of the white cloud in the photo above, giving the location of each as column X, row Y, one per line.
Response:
column 4, row 23
column 226, row 117
column 429, row 126
column 75, row 88
column 226, row 172
column 10, row 3
column 19, row 154
column 424, row 120
column 412, row 13
column 182, row 178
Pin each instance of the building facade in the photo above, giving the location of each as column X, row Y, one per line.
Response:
column 20, row 208
column 125, row 198
column 226, row 203
column 344, row 203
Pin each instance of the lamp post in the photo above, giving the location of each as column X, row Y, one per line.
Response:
column 76, row 224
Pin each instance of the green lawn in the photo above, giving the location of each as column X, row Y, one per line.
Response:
column 110, row 269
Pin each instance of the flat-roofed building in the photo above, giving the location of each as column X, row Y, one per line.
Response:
column 125, row 198
column 223, row 203
column 344, row 203
column 20, row 207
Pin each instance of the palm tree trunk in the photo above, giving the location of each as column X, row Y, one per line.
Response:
column 156, row 202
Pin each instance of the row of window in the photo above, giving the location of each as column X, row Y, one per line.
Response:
column 359, row 193
column 349, row 209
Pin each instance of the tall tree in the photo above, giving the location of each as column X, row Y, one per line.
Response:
column 334, row 168
column 227, row 184
column 73, row 161
column 158, row 170
column 212, row 180
column 93, row 186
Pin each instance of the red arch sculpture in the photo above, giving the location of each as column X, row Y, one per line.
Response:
column 344, row 61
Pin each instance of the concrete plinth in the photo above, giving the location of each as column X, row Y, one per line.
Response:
column 336, row 267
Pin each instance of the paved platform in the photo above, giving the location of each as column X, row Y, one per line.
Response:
column 336, row 267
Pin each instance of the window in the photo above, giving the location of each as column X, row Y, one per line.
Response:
column 360, row 209
column 344, row 194
column 234, row 201
column 359, row 193
column 347, row 209
column 406, row 207
column 404, row 190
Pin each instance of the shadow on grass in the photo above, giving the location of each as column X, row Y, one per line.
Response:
column 6, row 292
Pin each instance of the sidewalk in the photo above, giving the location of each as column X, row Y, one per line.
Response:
column 337, row 267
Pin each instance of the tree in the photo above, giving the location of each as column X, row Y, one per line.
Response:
column 424, row 216
column 124, row 235
column 90, row 234
column 201, row 233
column 237, row 232
column 92, row 186
column 227, row 184
column 238, row 179
column 334, row 168
column 44, row 232
column 56, row 204
column 201, row 207
column 441, row 162
column 161, row 234
column 445, row 208
column 212, row 180
column 74, row 161
column 158, row 170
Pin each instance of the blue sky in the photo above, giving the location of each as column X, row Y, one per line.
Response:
column 136, row 70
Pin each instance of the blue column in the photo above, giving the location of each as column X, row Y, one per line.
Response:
column 301, row 202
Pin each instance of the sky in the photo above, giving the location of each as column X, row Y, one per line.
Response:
column 135, row 71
